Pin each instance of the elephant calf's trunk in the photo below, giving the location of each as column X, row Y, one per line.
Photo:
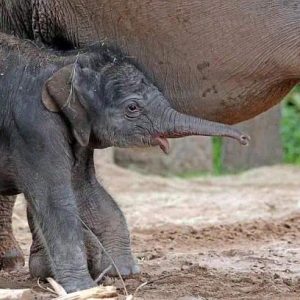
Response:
column 180, row 125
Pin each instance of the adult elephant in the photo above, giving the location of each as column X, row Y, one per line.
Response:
column 226, row 61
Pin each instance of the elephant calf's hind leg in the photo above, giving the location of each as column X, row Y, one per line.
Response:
column 105, row 219
column 39, row 265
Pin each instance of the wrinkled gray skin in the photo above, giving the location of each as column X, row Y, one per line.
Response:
column 55, row 109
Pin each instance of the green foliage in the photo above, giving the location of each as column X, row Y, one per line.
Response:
column 217, row 155
column 290, row 127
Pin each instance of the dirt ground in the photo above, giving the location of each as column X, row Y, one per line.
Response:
column 231, row 237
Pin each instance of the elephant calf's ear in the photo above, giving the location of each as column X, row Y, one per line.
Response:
column 58, row 95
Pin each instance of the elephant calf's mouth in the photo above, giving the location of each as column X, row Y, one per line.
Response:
column 163, row 143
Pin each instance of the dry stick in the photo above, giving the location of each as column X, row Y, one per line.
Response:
column 45, row 289
column 105, row 252
column 103, row 274
column 60, row 291
column 160, row 278
column 99, row 292
column 149, row 282
column 21, row 294
column 92, row 293
column 140, row 287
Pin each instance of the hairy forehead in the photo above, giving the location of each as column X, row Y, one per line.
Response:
column 127, row 73
column 125, row 79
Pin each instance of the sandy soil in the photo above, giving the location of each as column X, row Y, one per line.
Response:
column 232, row 237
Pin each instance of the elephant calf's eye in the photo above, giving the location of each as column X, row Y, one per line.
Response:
column 132, row 110
column 132, row 107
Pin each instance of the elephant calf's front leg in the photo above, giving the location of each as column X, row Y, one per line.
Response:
column 45, row 177
column 11, row 256
column 107, row 223
column 55, row 217
column 102, row 216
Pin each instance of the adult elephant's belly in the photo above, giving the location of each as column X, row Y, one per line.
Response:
column 225, row 61
column 231, row 103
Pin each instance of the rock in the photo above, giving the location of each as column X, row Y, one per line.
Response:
column 265, row 147
column 190, row 154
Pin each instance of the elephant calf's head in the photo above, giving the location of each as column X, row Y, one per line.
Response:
column 117, row 106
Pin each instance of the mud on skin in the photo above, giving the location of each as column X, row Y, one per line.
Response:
column 55, row 109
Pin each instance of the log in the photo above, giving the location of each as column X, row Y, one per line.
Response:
column 265, row 148
column 100, row 292
column 22, row 294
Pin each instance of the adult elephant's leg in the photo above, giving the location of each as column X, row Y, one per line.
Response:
column 105, row 219
column 11, row 256
column 16, row 18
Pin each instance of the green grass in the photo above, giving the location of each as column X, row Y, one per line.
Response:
column 217, row 156
column 290, row 127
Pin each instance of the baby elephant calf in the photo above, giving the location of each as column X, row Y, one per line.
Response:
column 55, row 108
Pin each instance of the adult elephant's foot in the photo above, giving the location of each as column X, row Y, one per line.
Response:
column 11, row 256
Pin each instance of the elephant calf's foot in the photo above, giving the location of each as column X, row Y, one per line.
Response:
column 126, row 265
column 39, row 266
column 78, row 284
column 99, row 261
column 11, row 256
